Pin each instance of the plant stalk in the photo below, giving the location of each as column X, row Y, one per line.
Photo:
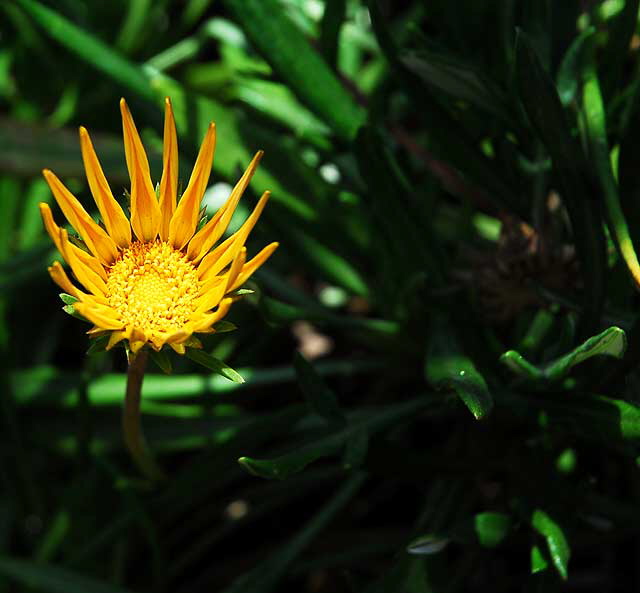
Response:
column 131, row 425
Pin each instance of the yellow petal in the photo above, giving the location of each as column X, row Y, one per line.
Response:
column 185, row 219
column 59, row 276
column 54, row 232
column 236, row 267
column 169, row 182
column 85, row 275
column 97, row 240
column 202, row 323
column 116, row 337
column 114, row 218
column 252, row 265
column 207, row 236
column 212, row 294
column 145, row 210
column 178, row 348
column 98, row 316
column 224, row 254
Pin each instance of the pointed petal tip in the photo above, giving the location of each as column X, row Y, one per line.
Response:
column 167, row 101
column 83, row 132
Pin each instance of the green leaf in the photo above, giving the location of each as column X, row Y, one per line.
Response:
column 324, row 446
column 596, row 132
column 457, row 79
column 52, row 579
column 447, row 367
column 556, row 541
column 213, row 364
column 538, row 561
column 355, row 449
column 569, row 71
column 492, row 528
column 163, row 361
column 544, row 109
column 288, row 52
column 319, row 397
column 611, row 342
column 332, row 21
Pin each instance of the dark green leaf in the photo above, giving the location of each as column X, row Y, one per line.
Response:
column 542, row 104
column 319, row 397
column 52, row 579
column 289, row 53
column 213, row 364
column 447, row 367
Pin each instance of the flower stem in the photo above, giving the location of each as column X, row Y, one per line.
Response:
column 133, row 436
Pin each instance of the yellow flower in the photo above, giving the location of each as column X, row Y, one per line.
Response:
column 154, row 278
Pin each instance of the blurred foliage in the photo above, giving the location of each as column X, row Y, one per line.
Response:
column 456, row 191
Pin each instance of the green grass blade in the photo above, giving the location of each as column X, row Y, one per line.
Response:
column 284, row 46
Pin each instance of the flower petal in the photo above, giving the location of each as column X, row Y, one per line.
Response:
column 85, row 275
column 117, row 336
column 97, row 240
column 59, row 276
column 145, row 210
column 169, row 182
column 236, row 267
column 114, row 218
column 252, row 265
column 54, row 232
column 203, row 323
column 99, row 317
column 185, row 219
column 224, row 254
column 215, row 290
column 207, row 236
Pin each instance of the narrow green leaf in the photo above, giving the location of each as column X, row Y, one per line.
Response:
column 85, row 44
column 332, row 20
column 213, row 364
column 569, row 71
column 556, row 541
column 596, row 130
column 611, row 342
column 319, row 397
column 447, row 367
column 355, row 449
column 286, row 49
column 52, row 579
column 542, row 104
column 457, row 79
column 329, row 445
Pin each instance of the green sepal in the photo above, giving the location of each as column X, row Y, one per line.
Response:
column 222, row 327
column 67, row 299
column 162, row 360
column 214, row 364
column 71, row 310
column 98, row 344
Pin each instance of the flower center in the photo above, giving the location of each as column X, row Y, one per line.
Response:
column 153, row 287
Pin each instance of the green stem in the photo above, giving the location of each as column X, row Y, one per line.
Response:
column 133, row 436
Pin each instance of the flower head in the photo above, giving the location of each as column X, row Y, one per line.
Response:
column 153, row 278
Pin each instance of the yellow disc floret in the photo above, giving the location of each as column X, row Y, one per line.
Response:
column 153, row 287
